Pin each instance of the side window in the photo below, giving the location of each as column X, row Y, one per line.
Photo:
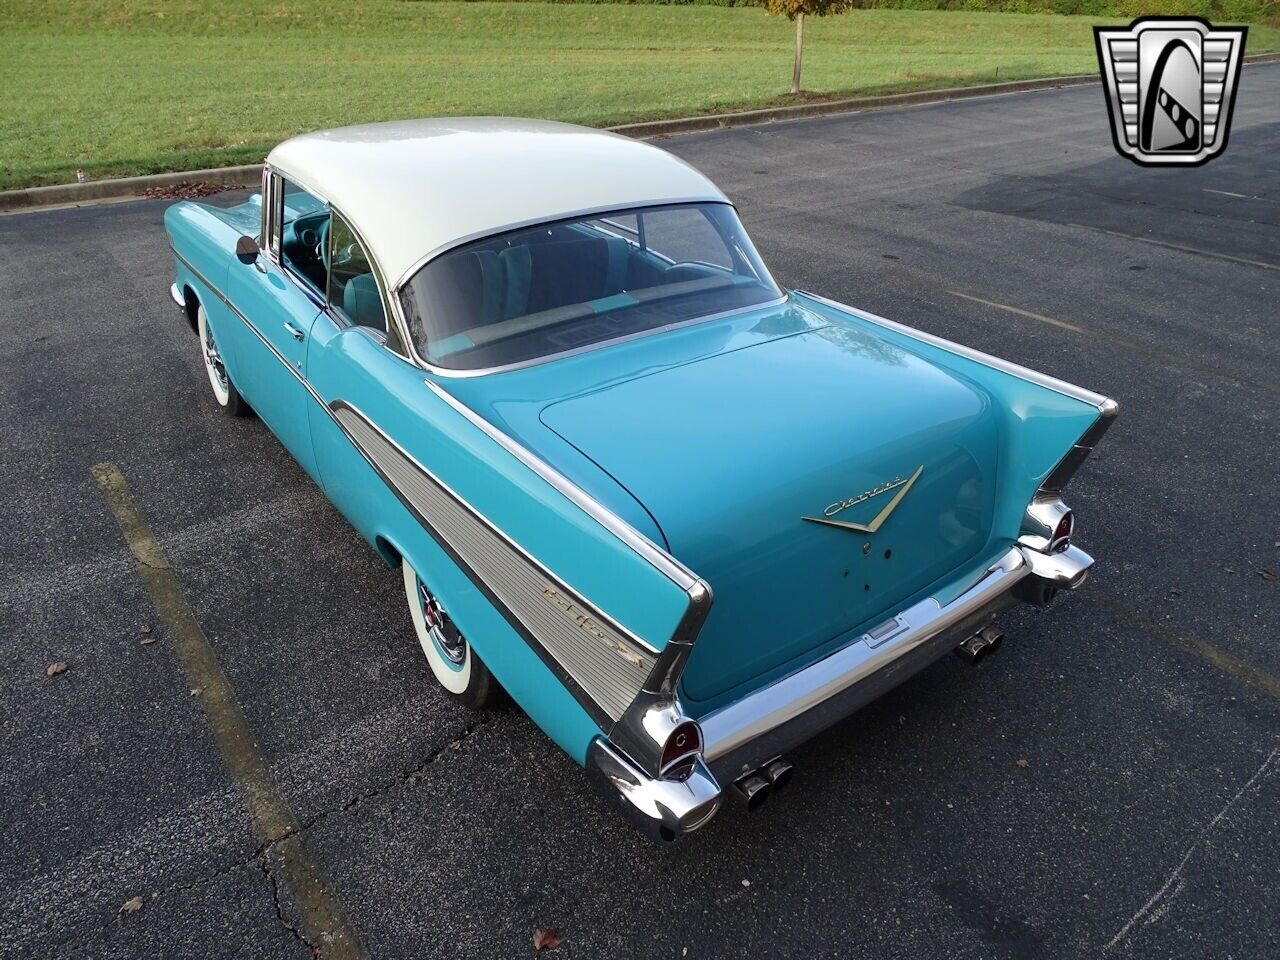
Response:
column 353, row 289
column 304, row 235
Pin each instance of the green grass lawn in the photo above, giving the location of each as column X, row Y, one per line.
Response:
column 149, row 85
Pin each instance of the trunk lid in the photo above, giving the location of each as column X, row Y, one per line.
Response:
column 730, row 452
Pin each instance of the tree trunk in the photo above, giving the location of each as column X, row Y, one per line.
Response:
column 795, row 72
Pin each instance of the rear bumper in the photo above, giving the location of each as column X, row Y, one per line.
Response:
column 742, row 735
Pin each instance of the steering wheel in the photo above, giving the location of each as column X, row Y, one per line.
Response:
column 322, row 243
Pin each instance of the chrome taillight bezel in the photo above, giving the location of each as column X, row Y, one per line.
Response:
column 681, row 751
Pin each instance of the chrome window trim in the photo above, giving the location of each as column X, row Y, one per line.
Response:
column 451, row 374
column 377, row 279
column 536, row 221
column 384, row 288
column 264, row 220
column 597, row 212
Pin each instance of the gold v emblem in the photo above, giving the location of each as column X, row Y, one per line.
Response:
column 902, row 486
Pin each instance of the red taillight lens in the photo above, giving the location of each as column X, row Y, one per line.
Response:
column 1061, row 538
column 680, row 752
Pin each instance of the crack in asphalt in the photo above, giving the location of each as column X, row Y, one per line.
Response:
column 261, row 854
column 403, row 779
column 264, row 863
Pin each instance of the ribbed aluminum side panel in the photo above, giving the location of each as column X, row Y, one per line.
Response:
column 600, row 658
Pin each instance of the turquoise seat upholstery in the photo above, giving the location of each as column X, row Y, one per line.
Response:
column 542, row 276
column 361, row 302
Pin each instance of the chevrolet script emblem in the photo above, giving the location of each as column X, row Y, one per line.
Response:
column 1170, row 85
column 902, row 486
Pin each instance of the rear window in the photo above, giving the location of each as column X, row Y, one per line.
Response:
column 544, row 290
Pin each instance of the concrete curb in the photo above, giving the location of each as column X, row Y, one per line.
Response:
column 249, row 175
column 71, row 193
column 717, row 121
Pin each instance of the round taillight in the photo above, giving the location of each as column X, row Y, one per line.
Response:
column 1061, row 538
column 680, row 752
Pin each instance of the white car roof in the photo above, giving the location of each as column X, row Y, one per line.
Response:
column 414, row 187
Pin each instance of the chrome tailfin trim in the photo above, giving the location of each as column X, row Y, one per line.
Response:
column 601, row 663
column 1106, row 406
column 676, row 571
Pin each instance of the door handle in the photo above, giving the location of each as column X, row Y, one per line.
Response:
column 293, row 331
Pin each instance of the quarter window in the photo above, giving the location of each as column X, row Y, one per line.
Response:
column 353, row 288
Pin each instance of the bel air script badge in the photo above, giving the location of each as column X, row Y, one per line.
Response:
column 1171, row 84
column 902, row 486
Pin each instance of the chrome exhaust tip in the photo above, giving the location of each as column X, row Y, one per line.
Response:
column 993, row 637
column 980, row 644
column 753, row 790
column 778, row 771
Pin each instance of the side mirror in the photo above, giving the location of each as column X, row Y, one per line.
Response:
column 247, row 250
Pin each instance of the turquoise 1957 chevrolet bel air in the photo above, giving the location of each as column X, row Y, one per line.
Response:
column 544, row 372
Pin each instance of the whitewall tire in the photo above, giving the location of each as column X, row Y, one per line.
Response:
column 456, row 666
column 224, row 391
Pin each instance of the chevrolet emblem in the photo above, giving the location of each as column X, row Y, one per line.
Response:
column 902, row 486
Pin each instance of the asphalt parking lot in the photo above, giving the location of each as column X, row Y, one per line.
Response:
column 1107, row 785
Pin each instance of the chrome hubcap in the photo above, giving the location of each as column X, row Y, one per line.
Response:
column 213, row 358
column 444, row 634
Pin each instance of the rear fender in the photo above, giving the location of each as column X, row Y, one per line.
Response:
column 1048, row 427
column 556, row 595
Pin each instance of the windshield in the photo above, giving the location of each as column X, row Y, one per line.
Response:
column 544, row 290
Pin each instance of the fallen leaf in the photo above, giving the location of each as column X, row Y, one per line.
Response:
column 547, row 939
column 186, row 190
column 196, row 691
column 145, row 628
column 56, row 668
column 1269, row 575
column 148, row 641
column 1023, row 764
column 1175, row 592
column 132, row 905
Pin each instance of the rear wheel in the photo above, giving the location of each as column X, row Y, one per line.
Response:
column 455, row 665
column 224, row 391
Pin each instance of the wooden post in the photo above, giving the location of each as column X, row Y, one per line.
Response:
column 795, row 73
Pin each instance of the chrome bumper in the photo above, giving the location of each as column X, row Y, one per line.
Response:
column 664, row 810
column 176, row 294
column 742, row 735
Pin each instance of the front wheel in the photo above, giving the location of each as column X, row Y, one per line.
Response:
column 224, row 391
column 456, row 666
